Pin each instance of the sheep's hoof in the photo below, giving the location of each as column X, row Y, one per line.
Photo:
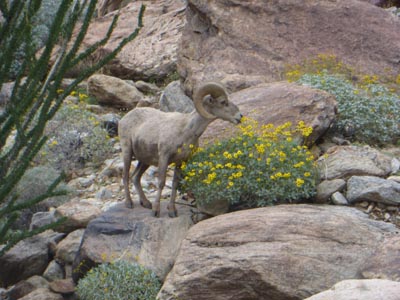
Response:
column 128, row 204
column 146, row 204
column 156, row 213
column 173, row 214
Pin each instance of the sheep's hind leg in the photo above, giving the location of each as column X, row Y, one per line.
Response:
column 127, row 159
column 172, row 212
column 137, row 175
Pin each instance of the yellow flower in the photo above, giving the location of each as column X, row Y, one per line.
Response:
column 307, row 174
column 299, row 182
column 298, row 165
column 227, row 155
column 53, row 143
column 230, row 184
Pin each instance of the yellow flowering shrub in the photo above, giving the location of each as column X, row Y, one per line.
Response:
column 260, row 166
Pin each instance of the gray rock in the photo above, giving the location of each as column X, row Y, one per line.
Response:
column 339, row 199
column 133, row 235
column 280, row 252
column 174, row 99
column 42, row 218
column 104, row 194
column 110, row 123
column 42, row 294
column 29, row 257
column 78, row 214
column 112, row 91
column 368, row 289
column 370, row 188
column 146, row 87
column 346, row 161
column 53, row 271
column 327, row 188
column 66, row 250
column 24, row 287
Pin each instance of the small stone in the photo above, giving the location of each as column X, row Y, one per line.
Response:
column 387, row 217
column 370, row 208
column 395, row 165
column 339, row 199
column 363, row 204
column 392, row 208
column 395, row 178
column 104, row 194
column 53, row 271
column 63, row 286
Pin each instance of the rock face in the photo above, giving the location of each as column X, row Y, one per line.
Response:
column 371, row 289
column 279, row 33
column 281, row 252
column 134, row 236
column 281, row 102
column 153, row 53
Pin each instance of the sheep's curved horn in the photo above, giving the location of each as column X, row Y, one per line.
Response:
column 213, row 89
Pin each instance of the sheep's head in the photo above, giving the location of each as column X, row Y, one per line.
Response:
column 211, row 101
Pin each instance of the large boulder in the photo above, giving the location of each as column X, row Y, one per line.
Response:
column 278, row 103
column 371, row 188
column 77, row 214
column 243, row 43
column 346, row 161
column 133, row 235
column 281, row 252
column 369, row 289
column 112, row 91
column 27, row 258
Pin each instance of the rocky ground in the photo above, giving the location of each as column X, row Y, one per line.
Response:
column 345, row 241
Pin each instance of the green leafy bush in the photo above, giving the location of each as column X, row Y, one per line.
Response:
column 261, row 166
column 120, row 280
column 76, row 138
column 370, row 113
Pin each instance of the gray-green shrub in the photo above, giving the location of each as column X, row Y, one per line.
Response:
column 34, row 183
column 371, row 113
column 76, row 138
column 120, row 280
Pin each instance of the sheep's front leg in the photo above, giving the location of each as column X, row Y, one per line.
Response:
column 162, row 173
column 172, row 212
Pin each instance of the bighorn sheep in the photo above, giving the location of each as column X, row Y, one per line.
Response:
column 160, row 138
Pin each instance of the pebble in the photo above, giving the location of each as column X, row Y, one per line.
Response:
column 339, row 199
